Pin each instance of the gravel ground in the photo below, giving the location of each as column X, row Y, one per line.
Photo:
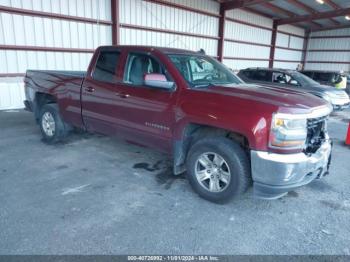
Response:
column 97, row 195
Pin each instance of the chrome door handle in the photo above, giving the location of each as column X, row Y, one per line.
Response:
column 89, row 89
column 122, row 95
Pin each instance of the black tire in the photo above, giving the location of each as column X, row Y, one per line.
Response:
column 236, row 160
column 60, row 128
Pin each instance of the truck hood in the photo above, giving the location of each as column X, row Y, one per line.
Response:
column 329, row 89
column 322, row 88
column 287, row 100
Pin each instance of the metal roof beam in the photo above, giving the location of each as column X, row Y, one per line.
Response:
column 306, row 8
column 308, row 18
column 241, row 3
column 332, row 4
column 332, row 27
column 280, row 10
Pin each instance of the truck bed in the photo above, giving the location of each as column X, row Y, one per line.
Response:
column 63, row 87
column 47, row 81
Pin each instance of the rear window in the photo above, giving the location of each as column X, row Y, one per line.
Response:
column 248, row 74
column 106, row 66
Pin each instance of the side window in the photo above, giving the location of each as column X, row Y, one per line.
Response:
column 291, row 81
column 280, row 78
column 262, row 75
column 106, row 65
column 140, row 64
column 248, row 74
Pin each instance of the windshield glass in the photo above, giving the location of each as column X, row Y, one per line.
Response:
column 303, row 79
column 203, row 70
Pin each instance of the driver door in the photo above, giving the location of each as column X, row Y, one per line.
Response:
column 146, row 114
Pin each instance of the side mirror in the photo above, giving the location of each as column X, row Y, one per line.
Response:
column 158, row 81
column 294, row 82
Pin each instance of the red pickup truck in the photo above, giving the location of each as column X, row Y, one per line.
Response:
column 226, row 134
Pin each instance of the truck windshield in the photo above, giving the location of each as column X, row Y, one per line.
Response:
column 202, row 71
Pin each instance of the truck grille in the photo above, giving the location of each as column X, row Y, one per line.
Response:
column 316, row 134
column 341, row 95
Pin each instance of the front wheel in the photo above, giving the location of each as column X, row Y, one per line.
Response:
column 52, row 126
column 218, row 169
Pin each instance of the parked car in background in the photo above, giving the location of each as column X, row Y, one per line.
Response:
column 330, row 78
column 292, row 79
column 348, row 83
column 225, row 133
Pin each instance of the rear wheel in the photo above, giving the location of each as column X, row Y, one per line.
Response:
column 218, row 169
column 52, row 126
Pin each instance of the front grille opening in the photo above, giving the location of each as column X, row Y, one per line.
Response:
column 316, row 134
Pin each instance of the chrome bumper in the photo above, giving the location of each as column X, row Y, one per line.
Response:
column 276, row 174
column 340, row 103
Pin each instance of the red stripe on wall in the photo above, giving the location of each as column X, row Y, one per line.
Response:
column 245, row 58
column 183, row 7
column 45, row 49
column 260, row 59
column 20, row 11
column 328, row 62
column 246, row 42
column 330, row 36
column 12, row 74
column 328, row 50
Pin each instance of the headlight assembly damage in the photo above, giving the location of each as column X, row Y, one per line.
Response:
column 288, row 132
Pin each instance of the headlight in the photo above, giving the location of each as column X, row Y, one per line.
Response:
column 287, row 132
column 331, row 95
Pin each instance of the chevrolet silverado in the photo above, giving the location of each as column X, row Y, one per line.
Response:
column 225, row 134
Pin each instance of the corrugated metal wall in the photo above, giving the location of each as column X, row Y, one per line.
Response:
column 169, row 19
column 25, row 30
column 248, row 42
column 236, row 33
column 289, row 46
column 69, row 43
column 329, row 50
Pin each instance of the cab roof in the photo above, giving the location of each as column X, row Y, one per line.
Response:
column 272, row 69
column 164, row 50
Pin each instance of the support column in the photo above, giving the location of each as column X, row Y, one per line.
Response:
column 273, row 44
column 115, row 21
column 305, row 45
column 221, row 41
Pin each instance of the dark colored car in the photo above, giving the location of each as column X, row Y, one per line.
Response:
column 292, row 79
column 226, row 134
column 330, row 78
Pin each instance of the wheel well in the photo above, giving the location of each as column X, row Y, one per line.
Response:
column 193, row 132
column 40, row 100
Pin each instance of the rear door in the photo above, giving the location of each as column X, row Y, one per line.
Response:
column 147, row 114
column 99, row 101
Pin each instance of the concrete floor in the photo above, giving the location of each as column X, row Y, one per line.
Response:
column 86, row 196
